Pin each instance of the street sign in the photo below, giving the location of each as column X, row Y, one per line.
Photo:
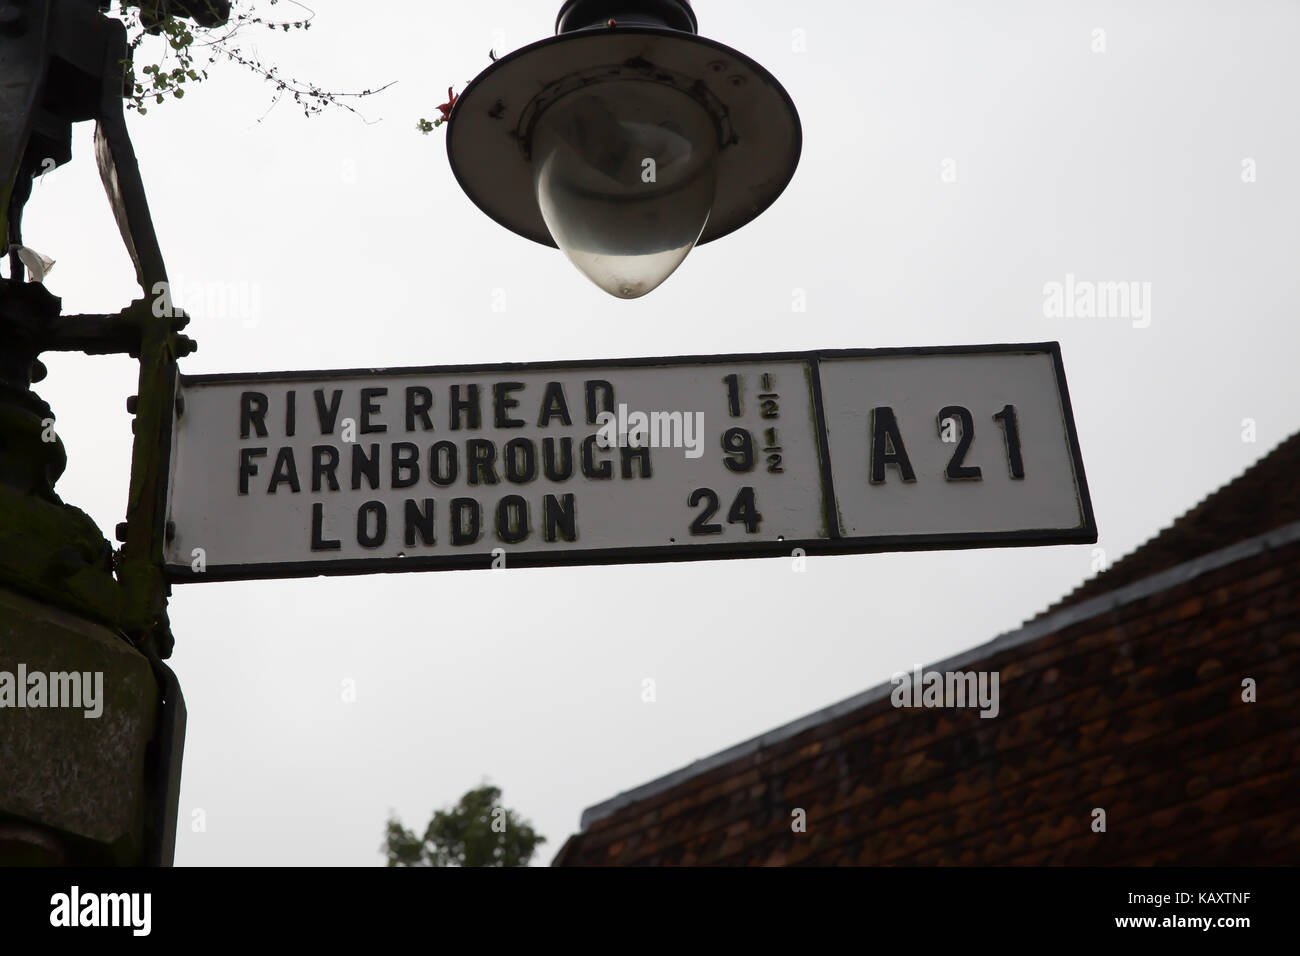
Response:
column 635, row 460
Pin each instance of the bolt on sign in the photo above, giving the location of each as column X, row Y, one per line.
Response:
column 637, row 460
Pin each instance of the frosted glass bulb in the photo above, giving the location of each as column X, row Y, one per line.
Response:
column 625, row 173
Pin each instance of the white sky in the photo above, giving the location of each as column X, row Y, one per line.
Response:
column 360, row 250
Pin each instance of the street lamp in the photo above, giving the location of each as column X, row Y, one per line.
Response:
column 625, row 140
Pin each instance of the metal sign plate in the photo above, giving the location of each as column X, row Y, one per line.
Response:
column 635, row 460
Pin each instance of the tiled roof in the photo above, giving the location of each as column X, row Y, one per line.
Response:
column 1128, row 699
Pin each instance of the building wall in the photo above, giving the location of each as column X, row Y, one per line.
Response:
column 1137, row 711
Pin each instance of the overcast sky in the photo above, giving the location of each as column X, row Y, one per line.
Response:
column 353, row 246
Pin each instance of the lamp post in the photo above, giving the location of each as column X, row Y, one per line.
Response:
column 626, row 140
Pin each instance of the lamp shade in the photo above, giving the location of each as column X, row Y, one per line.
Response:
column 551, row 141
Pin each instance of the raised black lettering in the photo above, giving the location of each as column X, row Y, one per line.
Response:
column 639, row 455
column 419, row 518
column 560, row 516
column 1011, row 435
column 466, row 520
column 554, row 405
column 328, row 415
column 745, row 511
column 702, row 525
column 443, row 463
column 564, row 470
column 363, row 465
column 512, row 519
column 364, row 537
column 887, row 446
column 370, row 406
column 406, row 464
column 520, row 460
column 589, row 467
column 598, row 387
column 469, row 406
column 247, row 469
column 481, row 455
column 285, row 471
column 324, row 464
column 502, row 404
column 418, row 402
column 252, row 414
column 318, row 541
column 956, row 471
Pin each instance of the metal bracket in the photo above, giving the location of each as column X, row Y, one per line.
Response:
column 70, row 48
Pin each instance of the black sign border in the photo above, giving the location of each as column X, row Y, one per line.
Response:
column 1086, row 533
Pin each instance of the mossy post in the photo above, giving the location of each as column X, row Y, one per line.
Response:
column 77, row 788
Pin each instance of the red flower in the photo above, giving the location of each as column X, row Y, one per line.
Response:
column 445, row 108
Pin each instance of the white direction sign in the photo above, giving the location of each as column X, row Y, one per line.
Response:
column 351, row 472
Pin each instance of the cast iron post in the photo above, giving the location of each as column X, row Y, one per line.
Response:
column 70, row 602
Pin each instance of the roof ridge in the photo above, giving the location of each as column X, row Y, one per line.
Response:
column 1168, row 534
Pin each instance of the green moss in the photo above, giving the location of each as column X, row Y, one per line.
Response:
column 55, row 553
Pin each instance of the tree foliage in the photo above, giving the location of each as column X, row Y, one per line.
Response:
column 478, row 831
column 169, row 52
